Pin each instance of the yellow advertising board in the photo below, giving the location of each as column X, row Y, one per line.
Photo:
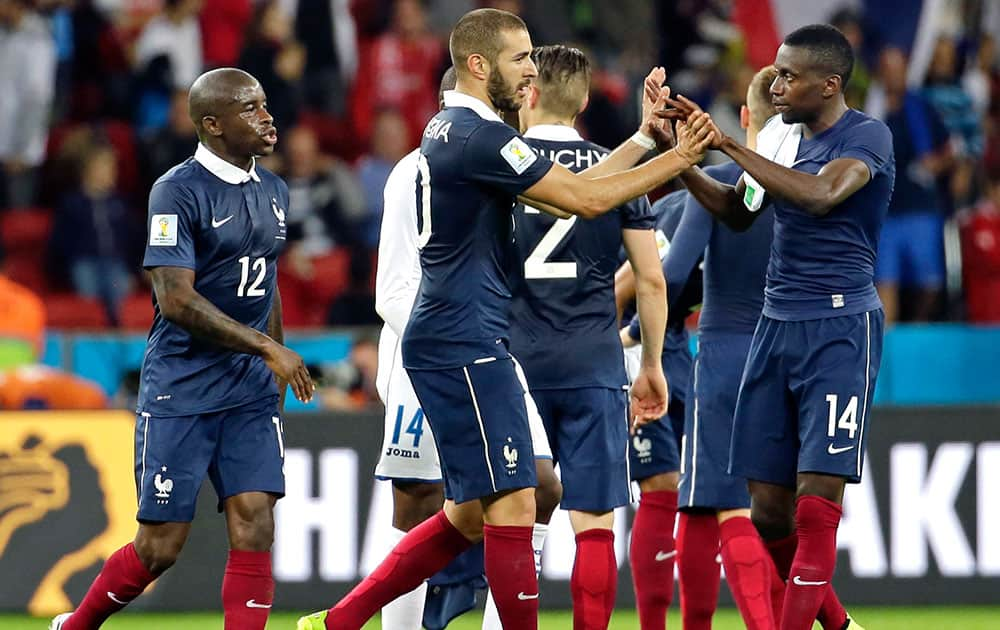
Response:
column 67, row 501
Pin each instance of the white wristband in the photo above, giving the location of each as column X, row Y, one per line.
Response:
column 643, row 141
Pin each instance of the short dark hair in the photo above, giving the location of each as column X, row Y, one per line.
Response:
column 480, row 31
column 563, row 78
column 830, row 51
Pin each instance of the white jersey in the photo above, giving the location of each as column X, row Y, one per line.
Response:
column 408, row 449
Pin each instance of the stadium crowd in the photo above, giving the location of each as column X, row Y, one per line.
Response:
column 98, row 111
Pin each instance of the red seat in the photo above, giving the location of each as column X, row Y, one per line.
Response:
column 26, row 268
column 25, row 228
column 136, row 311
column 71, row 311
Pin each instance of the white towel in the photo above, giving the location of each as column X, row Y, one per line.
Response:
column 778, row 142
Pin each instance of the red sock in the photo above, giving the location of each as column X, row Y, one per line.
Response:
column 510, row 572
column 424, row 551
column 832, row 615
column 651, row 554
column 247, row 590
column 122, row 579
column 697, row 548
column 595, row 579
column 816, row 521
column 748, row 572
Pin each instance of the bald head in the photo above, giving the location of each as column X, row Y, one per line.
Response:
column 213, row 91
column 448, row 82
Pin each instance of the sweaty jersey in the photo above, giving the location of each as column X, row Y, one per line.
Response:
column 823, row 266
column 228, row 225
column 470, row 169
column 563, row 320
column 735, row 262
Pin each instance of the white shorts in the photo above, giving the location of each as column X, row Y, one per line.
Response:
column 408, row 449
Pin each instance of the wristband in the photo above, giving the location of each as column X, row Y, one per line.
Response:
column 643, row 141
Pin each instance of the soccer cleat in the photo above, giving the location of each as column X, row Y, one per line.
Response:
column 852, row 625
column 315, row 621
column 59, row 620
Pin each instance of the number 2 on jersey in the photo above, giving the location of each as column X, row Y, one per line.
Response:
column 537, row 266
column 254, row 290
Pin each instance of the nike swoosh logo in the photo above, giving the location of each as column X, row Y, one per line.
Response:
column 833, row 450
column 218, row 224
column 115, row 599
column 800, row 582
column 661, row 555
column 252, row 604
column 521, row 596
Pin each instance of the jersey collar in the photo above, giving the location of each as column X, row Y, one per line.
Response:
column 457, row 99
column 557, row 133
column 222, row 169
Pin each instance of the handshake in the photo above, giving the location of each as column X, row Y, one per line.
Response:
column 676, row 123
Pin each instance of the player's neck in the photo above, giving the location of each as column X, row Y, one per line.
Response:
column 827, row 118
column 541, row 117
column 477, row 91
column 243, row 162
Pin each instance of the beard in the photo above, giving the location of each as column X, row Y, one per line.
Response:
column 502, row 94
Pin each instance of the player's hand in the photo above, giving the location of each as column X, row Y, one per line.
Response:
column 648, row 397
column 694, row 137
column 683, row 108
column 652, row 89
column 289, row 367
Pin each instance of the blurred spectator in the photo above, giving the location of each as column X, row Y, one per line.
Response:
column 400, row 70
column 176, row 35
column 356, row 305
column 327, row 201
column 850, row 24
column 101, row 74
column 28, row 76
column 911, row 247
column 164, row 148
column 978, row 78
column 945, row 94
column 91, row 233
column 389, row 144
column 22, row 322
column 42, row 387
column 725, row 109
column 980, row 237
column 223, row 26
column 278, row 61
column 326, row 29
column 350, row 384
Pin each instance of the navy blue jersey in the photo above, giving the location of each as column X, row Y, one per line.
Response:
column 735, row 262
column 823, row 266
column 563, row 321
column 471, row 168
column 228, row 225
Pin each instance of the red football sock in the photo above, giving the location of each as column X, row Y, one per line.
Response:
column 510, row 572
column 748, row 571
column 595, row 579
column 424, row 551
column 832, row 615
column 651, row 554
column 816, row 521
column 122, row 579
column 697, row 548
column 247, row 590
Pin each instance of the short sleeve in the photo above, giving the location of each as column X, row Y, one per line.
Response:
column 870, row 142
column 495, row 155
column 170, row 227
column 638, row 214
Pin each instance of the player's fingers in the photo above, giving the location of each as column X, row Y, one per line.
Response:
column 689, row 104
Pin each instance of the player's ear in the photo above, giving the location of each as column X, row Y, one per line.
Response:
column 211, row 125
column 744, row 116
column 583, row 105
column 832, row 85
column 533, row 95
column 478, row 66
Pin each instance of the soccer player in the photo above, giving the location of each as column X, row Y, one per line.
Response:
column 471, row 168
column 409, row 455
column 215, row 369
column 564, row 328
column 806, row 390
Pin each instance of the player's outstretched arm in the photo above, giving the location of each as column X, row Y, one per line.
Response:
column 589, row 198
column 180, row 304
column 649, row 391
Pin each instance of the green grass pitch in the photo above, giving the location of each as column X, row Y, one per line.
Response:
column 939, row 618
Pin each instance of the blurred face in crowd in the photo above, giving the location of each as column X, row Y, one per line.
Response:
column 302, row 151
column 797, row 91
column 389, row 136
column 892, row 70
column 275, row 26
column 409, row 19
column 942, row 66
column 512, row 72
column 100, row 172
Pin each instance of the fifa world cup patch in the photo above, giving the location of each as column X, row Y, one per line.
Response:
column 163, row 230
column 662, row 244
column 518, row 154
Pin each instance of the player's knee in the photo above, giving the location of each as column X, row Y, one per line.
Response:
column 414, row 503
column 158, row 553
column 548, row 494
column 772, row 521
column 251, row 531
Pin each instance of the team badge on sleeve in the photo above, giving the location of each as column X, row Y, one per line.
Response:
column 163, row 230
column 662, row 244
column 518, row 154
